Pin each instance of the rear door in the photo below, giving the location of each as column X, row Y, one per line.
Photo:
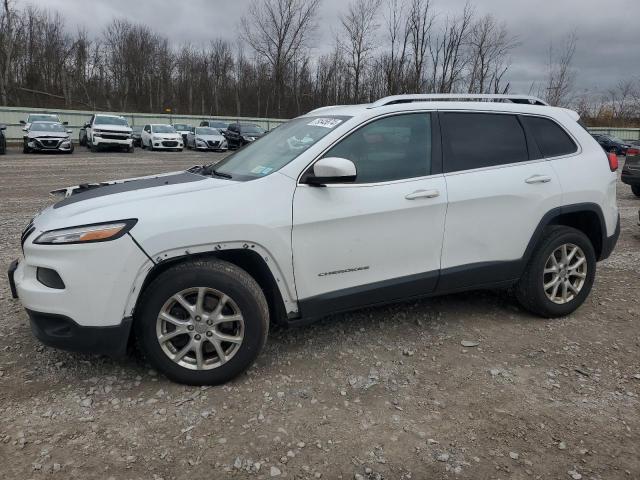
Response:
column 499, row 189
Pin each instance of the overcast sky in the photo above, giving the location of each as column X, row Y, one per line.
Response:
column 608, row 30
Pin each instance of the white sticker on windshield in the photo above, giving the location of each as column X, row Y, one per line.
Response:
column 325, row 122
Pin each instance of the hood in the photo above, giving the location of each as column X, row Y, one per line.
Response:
column 47, row 135
column 112, row 128
column 168, row 136
column 115, row 194
column 213, row 138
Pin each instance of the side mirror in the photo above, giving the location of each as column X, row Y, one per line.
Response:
column 87, row 125
column 3, row 127
column 332, row 170
column 22, row 122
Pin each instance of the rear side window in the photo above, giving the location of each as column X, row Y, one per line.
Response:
column 476, row 140
column 552, row 140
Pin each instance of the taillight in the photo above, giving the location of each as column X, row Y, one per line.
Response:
column 632, row 152
column 613, row 161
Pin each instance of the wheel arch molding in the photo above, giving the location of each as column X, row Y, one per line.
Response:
column 586, row 217
column 251, row 257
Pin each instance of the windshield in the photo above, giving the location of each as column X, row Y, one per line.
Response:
column 47, row 127
column 181, row 126
column 251, row 129
column 272, row 152
column 42, row 118
column 207, row 131
column 108, row 120
column 163, row 129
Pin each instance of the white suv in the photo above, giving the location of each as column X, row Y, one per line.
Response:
column 107, row 130
column 342, row 208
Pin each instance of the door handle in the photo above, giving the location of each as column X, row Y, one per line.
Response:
column 423, row 194
column 538, row 179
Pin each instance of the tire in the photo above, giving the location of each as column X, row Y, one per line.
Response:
column 244, row 298
column 636, row 190
column 530, row 290
column 25, row 147
column 70, row 150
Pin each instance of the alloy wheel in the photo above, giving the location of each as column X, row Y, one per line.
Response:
column 564, row 273
column 200, row 328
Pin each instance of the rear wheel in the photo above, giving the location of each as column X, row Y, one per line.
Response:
column 636, row 190
column 560, row 273
column 202, row 322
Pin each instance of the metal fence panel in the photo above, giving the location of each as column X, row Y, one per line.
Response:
column 623, row 133
column 11, row 116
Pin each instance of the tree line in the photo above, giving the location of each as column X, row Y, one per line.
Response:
column 271, row 70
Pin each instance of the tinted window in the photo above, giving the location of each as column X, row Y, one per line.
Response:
column 391, row 148
column 552, row 140
column 477, row 140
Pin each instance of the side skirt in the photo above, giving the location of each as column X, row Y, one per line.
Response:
column 478, row 276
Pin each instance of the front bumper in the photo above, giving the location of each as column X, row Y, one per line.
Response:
column 97, row 279
column 62, row 332
column 100, row 141
column 168, row 144
column 53, row 145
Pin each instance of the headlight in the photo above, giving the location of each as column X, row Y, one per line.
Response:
column 97, row 132
column 100, row 232
column 200, row 140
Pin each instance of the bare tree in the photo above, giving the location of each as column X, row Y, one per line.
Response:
column 278, row 30
column 560, row 73
column 419, row 25
column 359, row 25
column 9, row 33
column 448, row 52
column 490, row 44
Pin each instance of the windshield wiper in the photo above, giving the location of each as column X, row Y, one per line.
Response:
column 220, row 174
column 209, row 170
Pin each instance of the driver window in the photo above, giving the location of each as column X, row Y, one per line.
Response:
column 392, row 148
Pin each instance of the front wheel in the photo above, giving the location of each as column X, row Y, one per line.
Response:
column 636, row 190
column 202, row 322
column 560, row 273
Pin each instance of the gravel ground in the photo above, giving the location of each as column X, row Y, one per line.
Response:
column 380, row 393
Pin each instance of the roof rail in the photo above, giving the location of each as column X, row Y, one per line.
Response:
column 397, row 99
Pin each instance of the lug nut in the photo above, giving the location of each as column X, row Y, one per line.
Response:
column 210, row 322
column 198, row 318
column 198, row 337
column 209, row 334
column 190, row 327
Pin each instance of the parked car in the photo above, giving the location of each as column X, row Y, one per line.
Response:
column 183, row 129
column 410, row 196
column 41, row 117
column 47, row 137
column 206, row 138
column 218, row 124
column 107, row 131
column 239, row 134
column 136, row 135
column 631, row 169
column 611, row 144
column 159, row 136
column 3, row 140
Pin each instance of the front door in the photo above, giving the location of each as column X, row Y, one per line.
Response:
column 379, row 238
